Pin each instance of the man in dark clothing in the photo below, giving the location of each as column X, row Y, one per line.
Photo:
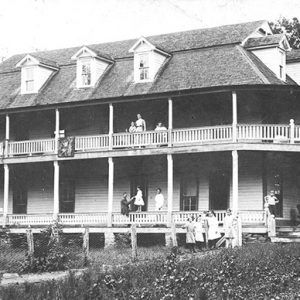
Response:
column 125, row 205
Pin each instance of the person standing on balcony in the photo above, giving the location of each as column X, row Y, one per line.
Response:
column 138, row 199
column 125, row 205
column 159, row 199
column 271, row 200
column 140, row 123
column 213, row 229
column 228, row 228
column 132, row 128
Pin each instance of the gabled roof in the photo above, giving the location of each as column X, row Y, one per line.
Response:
column 38, row 61
column 92, row 53
column 293, row 56
column 267, row 41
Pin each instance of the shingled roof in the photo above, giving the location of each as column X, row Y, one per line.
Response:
column 293, row 56
column 204, row 58
column 263, row 41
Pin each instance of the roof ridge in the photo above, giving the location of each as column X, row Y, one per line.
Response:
column 252, row 64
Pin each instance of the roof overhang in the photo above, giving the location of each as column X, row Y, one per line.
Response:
column 143, row 40
column 30, row 60
column 87, row 52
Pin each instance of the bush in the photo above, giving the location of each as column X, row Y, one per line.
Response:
column 50, row 252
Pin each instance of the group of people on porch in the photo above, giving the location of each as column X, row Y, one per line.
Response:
column 138, row 201
column 140, row 125
column 204, row 229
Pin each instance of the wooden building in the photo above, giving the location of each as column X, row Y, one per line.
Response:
column 229, row 100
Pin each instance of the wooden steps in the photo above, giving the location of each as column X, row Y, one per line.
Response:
column 286, row 234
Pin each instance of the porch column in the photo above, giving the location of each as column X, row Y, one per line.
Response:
column 56, row 129
column 110, row 191
column 6, row 192
column 235, row 181
column 170, row 187
column 234, row 116
column 170, row 120
column 111, row 125
column 7, row 130
column 56, row 190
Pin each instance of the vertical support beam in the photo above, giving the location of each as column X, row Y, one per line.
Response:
column 292, row 131
column 57, row 126
column 56, row 190
column 86, row 244
column 6, row 192
column 110, row 190
column 7, row 134
column 170, row 120
column 235, row 181
column 170, row 187
column 133, row 242
column 111, row 125
column 30, row 242
column 234, row 116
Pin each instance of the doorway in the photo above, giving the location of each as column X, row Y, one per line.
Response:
column 219, row 185
column 19, row 195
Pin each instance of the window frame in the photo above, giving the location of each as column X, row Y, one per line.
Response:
column 144, row 70
column 29, row 79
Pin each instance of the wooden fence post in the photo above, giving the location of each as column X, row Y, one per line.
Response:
column 173, row 234
column 30, row 242
column 134, row 242
column 271, row 226
column 86, row 242
column 206, row 233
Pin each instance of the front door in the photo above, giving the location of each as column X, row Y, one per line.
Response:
column 142, row 182
column 219, row 183
column 19, row 196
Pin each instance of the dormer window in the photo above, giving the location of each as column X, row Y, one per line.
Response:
column 29, row 79
column 147, row 60
column 90, row 66
column 86, row 74
column 35, row 72
column 144, row 66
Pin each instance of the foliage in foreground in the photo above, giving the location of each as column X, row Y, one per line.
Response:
column 257, row 271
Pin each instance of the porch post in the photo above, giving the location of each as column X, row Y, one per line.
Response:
column 170, row 120
column 170, row 187
column 110, row 191
column 56, row 190
column 235, row 181
column 234, row 116
column 56, row 129
column 6, row 192
column 111, row 125
column 292, row 131
column 7, row 129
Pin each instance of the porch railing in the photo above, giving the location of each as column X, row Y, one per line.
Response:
column 146, row 138
column 268, row 132
column 30, row 219
column 31, row 147
column 141, row 218
column 90, row 143
column 82, row 218
column 252, row 216
column 202, row 134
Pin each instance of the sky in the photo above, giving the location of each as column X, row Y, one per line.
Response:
column 30, row 25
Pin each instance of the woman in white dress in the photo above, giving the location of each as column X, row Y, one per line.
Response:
column 199, row 232
column 228, row 227
column 139, row 202
column 213, row 229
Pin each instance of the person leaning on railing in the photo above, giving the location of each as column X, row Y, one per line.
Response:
column 271, row 201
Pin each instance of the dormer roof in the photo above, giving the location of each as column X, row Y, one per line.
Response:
column 293, row 56
column 268, row 41
column 29, row 59
column 150, row 47
column 89, row 52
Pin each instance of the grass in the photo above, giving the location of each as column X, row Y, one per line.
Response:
column 256, row 271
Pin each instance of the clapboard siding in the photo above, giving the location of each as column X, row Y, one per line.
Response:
column 293, row 70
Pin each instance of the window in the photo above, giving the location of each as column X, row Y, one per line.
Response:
column 86, row 73
column 144, row 66
column 67, row 196
column 189, row 193
column 29, row 80
column 281, row 71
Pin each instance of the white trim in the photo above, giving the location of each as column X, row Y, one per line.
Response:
column 25, row 59
column 138, row 42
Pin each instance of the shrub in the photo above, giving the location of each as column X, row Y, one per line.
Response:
column 50, row 252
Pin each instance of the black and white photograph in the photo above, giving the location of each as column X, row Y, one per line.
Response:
column 150, row 149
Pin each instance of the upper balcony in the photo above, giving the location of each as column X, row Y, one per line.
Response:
column 224, row 120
